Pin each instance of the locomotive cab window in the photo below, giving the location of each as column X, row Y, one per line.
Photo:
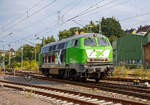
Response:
column 75, row 43
column 90, row 42
column 103, row 42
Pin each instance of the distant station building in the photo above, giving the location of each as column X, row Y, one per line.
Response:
column 147, row 49
column 133, row 48
column 128, row 50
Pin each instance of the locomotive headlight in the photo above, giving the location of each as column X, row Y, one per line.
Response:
column 107, row 59
column 88, row 60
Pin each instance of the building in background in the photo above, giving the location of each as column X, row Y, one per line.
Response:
column 128, row 50
column 147, row 49
column 142, row 30
column 133, row 48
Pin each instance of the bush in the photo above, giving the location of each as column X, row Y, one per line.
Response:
column 34, row 66
column 142, row 73
column 26, row 64
column 120, row 71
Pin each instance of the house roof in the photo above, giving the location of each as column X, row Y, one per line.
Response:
column 148, row 31
column 143, row 28
column 130, row 30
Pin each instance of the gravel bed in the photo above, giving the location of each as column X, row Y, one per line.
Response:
column 122, row 82
column 70, row 87
column 14, row 97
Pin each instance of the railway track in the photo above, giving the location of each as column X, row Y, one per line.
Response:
column 127, row 79
column 111, row 87
column 69, row 96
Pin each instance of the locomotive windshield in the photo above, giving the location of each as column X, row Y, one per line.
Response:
column 90, row 42
column 103, row 42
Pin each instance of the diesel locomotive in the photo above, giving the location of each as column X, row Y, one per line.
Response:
column 80, row 57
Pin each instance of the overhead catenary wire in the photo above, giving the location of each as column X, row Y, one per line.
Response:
column 55, row 0
column 39, row 10
column 87, row 9
column 11, row 22
column 112, row 6
column 136, row 16
column 83, row 13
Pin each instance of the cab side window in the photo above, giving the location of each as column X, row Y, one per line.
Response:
column 75, row 43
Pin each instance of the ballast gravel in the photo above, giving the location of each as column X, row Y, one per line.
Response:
column 65, row 86
column 13, row 97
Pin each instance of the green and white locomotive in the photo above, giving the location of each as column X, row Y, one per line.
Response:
column 80, row 57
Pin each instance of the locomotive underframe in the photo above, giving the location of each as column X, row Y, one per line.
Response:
column 92, row 70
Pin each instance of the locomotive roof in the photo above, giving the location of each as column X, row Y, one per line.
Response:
column 74, row 37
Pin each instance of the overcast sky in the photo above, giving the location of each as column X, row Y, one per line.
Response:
column 21, row 20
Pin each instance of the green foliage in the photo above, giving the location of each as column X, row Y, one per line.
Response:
column 120, row 71
column 64, row 34
column 112, row 38
column 142, row 73
column 34, row 66
column 29, row 54
column 27, row 64
column 67, row 33
column 16, row 65
column 110, row 26
column 48, row 40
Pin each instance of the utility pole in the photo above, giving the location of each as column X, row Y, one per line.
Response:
column 22, row 57
column 4, row 60
column 99, row 23
column 35, row 52
column 100, row 29
column 35, row 45
column 3, row 54
column 9, row 45
column 58, row 21
column 9, row 56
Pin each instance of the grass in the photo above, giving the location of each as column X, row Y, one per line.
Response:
column 30, row 94
column 122, row 71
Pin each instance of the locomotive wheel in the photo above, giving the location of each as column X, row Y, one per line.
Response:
column 97, row 79
column 83, row 79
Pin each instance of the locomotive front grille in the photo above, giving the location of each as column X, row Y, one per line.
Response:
column 98, row 60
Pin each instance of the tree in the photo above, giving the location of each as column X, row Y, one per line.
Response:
column 64, row 34
column 48, row 40
column 110, row 26
column 67, row 33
